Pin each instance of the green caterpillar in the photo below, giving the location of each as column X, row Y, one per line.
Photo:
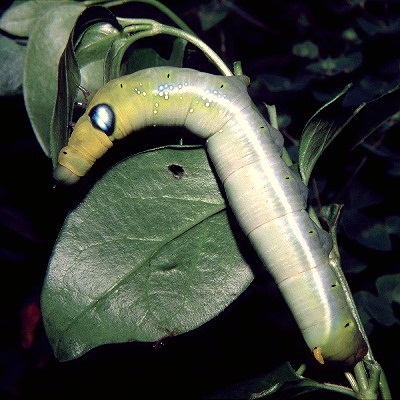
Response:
column 269, row 201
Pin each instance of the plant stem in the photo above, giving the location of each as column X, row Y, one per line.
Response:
column 148, row 28
column 164, row 9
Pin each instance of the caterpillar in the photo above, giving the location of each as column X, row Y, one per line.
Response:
column 267, row 198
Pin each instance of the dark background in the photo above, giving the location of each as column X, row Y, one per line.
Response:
column 256, row 333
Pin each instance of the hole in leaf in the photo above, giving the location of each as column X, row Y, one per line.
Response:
column 176, row 170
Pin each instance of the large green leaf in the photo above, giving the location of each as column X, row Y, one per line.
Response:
column 148, row 253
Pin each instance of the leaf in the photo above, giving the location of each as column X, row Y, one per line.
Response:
column 279, row 83
column 93, row 45
column 69, row 73
column 351, row 35
column 144, row 256
column 12, row 57
column 334, row 66
column 148, row 58
column 372, row 114
column 96, row 40
column 376, row 308
column 389, row 287
column 68, row 79
column 320, row 131
column 21, row 17
column 47, row 42
column 363, row 196
column 381, row 310
column 211, row 14
column 306, row 49
column 145, row 58
column 351, row 263
column 392, row 223
column 369, row 232
column 354, row 124
column 375, row 27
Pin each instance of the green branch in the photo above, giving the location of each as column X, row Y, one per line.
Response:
column 141, row 28
column 164, row 9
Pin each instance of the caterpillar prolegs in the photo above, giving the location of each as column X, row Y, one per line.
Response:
column 268, row 200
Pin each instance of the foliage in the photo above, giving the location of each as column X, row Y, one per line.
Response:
column 303, row 60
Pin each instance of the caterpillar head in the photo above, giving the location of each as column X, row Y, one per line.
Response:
column 91, row 138
column 64, row 175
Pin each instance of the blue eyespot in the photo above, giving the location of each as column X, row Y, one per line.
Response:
column 103, row 118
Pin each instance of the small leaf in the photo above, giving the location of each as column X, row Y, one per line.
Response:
column 389, row 287
column 362, row 196
column 380, row 310
column 373, row 27
column 145, row 255
column 372, row 114
column 375, row 308
column 351, row 264
column 95, row 42
column 145, row 58
column 369, row 232
column 354, row 124
column 149, row 58
column 351, row 35
column 392, row 223
column 334, row 66
column 212, row 13
column 279, row 83
column 320, row 131
column 306, row 49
